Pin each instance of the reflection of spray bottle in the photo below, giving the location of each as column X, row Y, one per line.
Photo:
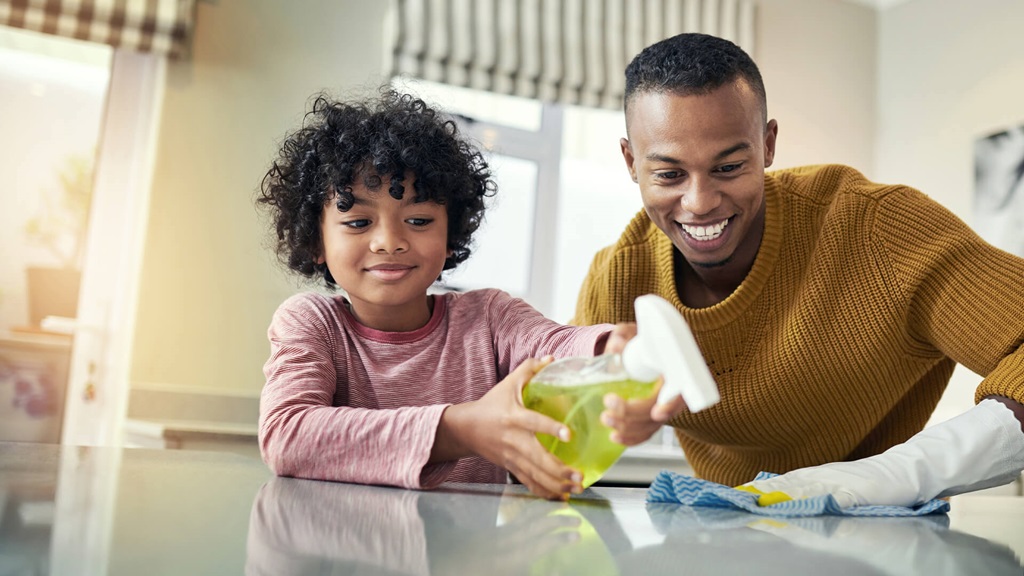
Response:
column 587, row 556
column 572, row 390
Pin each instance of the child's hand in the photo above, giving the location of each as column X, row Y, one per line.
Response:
column 622, row 332
column 635, row 421
column 499, row 428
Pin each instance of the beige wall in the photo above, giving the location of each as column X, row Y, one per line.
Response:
column 949, row 71
column 209, row 285
column 817, row 58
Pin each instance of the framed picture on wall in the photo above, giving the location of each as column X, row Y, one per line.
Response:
column 999, row 189
column 33, row 384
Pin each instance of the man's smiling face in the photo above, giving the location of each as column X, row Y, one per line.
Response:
column 699, row 161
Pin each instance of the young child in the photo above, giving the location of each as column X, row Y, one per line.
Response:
column 388, row 384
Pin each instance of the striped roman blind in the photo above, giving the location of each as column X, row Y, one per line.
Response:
column 567, row 51
column 156, row 26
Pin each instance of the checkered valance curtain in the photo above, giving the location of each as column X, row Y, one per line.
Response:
column 569, row 51
column 157, row 26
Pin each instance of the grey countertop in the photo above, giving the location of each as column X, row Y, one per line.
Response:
column 76, row 510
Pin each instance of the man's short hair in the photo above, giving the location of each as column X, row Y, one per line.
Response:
column 691, row 64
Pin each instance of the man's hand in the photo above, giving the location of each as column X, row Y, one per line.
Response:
column 499, row 428
column 981, row 448
column 635, row 421
column 845, row 481
column 622, row 332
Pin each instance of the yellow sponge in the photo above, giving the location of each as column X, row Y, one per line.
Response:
column 765, row 498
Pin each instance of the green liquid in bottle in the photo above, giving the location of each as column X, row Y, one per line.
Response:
column 590, row 450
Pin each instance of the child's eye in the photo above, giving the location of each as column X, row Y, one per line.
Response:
column 357, row 224
column 419, row 221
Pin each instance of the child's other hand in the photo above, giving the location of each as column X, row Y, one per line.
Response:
column 622, row 332
column 499, row 428
column 635, row 421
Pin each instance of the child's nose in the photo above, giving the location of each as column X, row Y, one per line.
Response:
column 389, row 240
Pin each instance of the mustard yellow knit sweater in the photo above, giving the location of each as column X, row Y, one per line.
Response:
column 843, row 336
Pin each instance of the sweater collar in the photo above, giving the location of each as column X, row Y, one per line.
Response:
column 440, row 307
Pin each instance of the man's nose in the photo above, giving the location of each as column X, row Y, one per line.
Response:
column 701, row 195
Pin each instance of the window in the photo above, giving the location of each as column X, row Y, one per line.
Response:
column 563, row 193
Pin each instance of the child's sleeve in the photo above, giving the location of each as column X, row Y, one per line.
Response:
column 521, row 332
column 302, row 433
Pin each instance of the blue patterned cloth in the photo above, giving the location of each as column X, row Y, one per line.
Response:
column 676, row 488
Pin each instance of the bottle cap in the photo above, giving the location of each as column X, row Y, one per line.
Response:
column 665, row 346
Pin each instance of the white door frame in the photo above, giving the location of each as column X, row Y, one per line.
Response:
column 98, row 383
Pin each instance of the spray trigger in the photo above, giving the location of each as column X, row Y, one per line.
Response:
column 665, row 346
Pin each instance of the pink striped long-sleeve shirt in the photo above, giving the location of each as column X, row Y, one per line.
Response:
column 349, row 403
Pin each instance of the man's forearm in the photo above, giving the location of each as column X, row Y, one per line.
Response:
column 1016, row 407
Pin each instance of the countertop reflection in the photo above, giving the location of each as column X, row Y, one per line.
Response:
column 72, row 510
column 302, row 527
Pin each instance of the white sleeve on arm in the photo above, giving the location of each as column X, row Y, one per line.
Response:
column 302, row 434
column 981, row 448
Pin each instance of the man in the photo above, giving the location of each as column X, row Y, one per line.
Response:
column 830, row 309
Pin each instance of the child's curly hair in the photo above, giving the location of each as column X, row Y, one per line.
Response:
column 379, row 140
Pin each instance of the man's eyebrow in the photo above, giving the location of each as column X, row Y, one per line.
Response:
column 655, row 157
column 661, row 158
column 733, row 149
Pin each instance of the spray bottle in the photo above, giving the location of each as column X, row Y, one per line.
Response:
column 572, row 390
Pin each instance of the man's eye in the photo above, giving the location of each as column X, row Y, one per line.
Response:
column 419, row 221
column 730, row 167
column 361, row 223
column 668, row 175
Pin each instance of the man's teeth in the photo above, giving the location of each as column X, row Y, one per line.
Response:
column 704, row 233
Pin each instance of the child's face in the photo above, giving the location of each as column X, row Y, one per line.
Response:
column 385, row 253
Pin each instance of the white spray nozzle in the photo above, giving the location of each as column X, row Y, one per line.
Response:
column 665, row 346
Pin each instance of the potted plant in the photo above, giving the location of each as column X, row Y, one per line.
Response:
column 59, row 227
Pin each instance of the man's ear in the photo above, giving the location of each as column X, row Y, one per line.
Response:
column 627, row 155
column 771, row 132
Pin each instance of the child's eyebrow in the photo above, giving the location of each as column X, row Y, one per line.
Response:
column 374, row 201
column 362, row 200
